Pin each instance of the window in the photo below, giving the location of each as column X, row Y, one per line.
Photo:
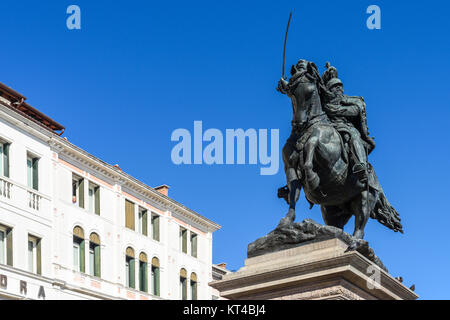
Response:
column 183, row 284
column 129, row 268
column 155, row 227
column 94, row 198
column 6, row 253
column 143, row 229
column 143, row 273
column 34, row 254
column 4, row 159
column 78, row 190
column 183, row 239
column 78, row 249
column 155, row 276
column 32, row 172
column 2, row 246
column 94, row 255
column 193, row 245
column 129, row 214
column 193, row 286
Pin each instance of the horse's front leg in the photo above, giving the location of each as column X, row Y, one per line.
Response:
column 294, row 193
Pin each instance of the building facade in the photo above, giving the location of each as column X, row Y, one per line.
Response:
column 75, row 227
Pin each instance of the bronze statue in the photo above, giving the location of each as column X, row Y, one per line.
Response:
column 327, row 153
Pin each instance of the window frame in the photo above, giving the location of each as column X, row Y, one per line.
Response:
column 193, row 286
column 33, row 171
column 33, row 263
column 81, row 244
column 2, row 162
column 95, row 260
column 132, row 219
column 153, row 217
column 183, row 240
column 79, row 190
column 191, row 236
column 183, row 288
column 76, row 247
column 94, row 206
column 4, row 245
column 143, row 221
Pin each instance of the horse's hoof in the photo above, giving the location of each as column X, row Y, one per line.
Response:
column 353, row 246
column 286, row 221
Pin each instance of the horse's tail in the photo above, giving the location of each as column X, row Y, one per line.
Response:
column 386, row 214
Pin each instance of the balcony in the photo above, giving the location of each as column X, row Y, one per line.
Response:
column 22, row 197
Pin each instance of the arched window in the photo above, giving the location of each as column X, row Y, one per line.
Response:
column 129, row 268
column 155, row 276
column 143, row 272
column 193, row 286
column 78, row 249
column 183, row 284
column 94, row 255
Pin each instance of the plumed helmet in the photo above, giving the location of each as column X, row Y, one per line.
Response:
column 330, row 73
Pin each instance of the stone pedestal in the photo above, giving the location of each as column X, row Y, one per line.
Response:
column 313, row 271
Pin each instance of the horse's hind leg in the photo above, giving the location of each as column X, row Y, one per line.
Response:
column 335, row 216
column 361, row 207
column 312, row 179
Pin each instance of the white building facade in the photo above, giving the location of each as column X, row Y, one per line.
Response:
column 75, row 227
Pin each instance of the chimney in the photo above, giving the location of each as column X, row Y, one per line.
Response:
column 222, row 265
column 164, row 189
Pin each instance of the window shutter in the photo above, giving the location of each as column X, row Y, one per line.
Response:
column 183, row 289
column 97, row 261
column 82, row 256
column 9, row 248
column 156, row 279
column 97, row 200
column 81, row 193
column 193, row 286
column 6, row 160
column 184, row 240
column 129, row 214
column 144, row 223
column 143, row 276
column 132, row 271
column 38, row 257
column 194, row 245
column 35, row 174
column 155, row 227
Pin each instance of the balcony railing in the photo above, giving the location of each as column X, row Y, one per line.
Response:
column 22, row 196
column 34, row 200
column 5, row 188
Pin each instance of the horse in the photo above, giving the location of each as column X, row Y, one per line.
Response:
column 315, row 160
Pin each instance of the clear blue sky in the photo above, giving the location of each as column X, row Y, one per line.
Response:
column 137, row 70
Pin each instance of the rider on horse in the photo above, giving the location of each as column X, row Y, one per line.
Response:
column 348, row 115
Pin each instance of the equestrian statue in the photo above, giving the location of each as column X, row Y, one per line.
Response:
column 327, row 153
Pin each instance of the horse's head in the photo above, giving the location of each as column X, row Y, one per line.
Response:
column 300, row 67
